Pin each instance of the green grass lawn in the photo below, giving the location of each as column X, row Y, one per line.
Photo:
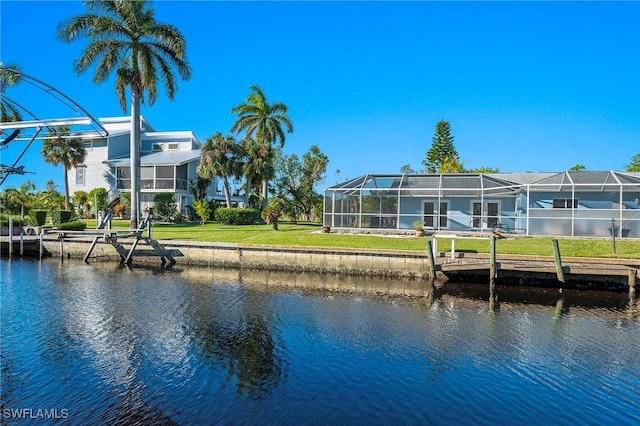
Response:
column 308, row 234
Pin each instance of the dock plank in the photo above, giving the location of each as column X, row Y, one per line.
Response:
column 538, row 266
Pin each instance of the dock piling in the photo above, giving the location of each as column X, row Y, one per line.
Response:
column 558, row 260
column 492, row 261
column 61, row 238
column 432, row 262
column 613, row 235
column 10, row 237
column 41, row 243
column 632, row 282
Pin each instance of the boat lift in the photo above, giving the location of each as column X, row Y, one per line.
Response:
column 30, row 130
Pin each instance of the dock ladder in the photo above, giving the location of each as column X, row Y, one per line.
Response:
column 126, row 255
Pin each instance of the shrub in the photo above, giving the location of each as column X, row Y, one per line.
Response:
column 120, row 210
column 273, row 211
column 86, row 211
column 29, row 221
column 59, row 217
column 203, row 210
column 125, row 198
column 236, row 216
column 40, row 216
column 80, row 198
column 98, row 196
column 4, row 220
column 165, row 205
column 76, row 225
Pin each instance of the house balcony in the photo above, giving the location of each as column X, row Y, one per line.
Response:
column 155, row 185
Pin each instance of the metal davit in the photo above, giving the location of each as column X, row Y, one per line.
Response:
column 47, row 98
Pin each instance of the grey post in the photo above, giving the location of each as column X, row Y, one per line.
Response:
column 613, row 235
column 10, row 237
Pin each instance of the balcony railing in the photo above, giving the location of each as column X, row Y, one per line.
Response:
column 159, row 184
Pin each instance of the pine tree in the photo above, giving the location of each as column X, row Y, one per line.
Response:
column 441, row 148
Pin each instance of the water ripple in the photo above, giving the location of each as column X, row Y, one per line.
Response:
column 143, row 346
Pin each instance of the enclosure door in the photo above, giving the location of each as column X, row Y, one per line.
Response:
column 485, row 218
column 493, row 214
column 431, row 214
column 476, row 216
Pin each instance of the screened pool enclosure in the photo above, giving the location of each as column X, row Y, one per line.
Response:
column 556, row 204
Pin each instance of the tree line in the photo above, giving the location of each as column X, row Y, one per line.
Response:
column 442, row 157
column 252, row 152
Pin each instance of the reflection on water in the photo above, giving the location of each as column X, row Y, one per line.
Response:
column 201, row 346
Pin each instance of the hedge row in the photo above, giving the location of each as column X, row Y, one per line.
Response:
column 236, row 216
column 59, row 217
column 76, row 225
column 40, row 216
column 17, row 221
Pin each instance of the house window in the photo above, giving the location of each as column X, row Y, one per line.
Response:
column 164, row 177
column 174, row 146
column 182, row 176
column 124, row 177
column 157, row 147
column 565, row 203
column 146, row 177
column 80, row 173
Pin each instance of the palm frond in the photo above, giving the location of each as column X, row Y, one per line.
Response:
column 170, row 38
column 74, row 28
column 123, row 80
column 124, row 36
column 112, row 54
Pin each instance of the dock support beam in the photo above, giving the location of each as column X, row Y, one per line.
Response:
column 558, row 260
column 93, row 244
column 130, row 255
column 632, row 283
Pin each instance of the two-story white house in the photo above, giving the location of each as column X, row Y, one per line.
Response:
column 168, row 162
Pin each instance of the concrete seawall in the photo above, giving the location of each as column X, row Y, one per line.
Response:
column 284, row 258
column 602, row 273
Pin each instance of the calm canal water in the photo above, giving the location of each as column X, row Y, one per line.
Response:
column 99, row 344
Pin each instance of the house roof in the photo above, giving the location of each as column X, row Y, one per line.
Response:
column 432, row 184
column 492, row 183
column 162, row 158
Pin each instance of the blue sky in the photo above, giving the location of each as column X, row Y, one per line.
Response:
column 526, row 86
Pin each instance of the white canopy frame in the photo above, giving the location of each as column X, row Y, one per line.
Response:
column 31, row 130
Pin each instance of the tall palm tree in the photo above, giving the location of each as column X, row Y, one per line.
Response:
column 221, row 157
column 258, row 164
column 60, row 148
column 124, row 37
column 257, row 117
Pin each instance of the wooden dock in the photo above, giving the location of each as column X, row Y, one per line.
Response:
column 538, row 264
column 518, row 269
